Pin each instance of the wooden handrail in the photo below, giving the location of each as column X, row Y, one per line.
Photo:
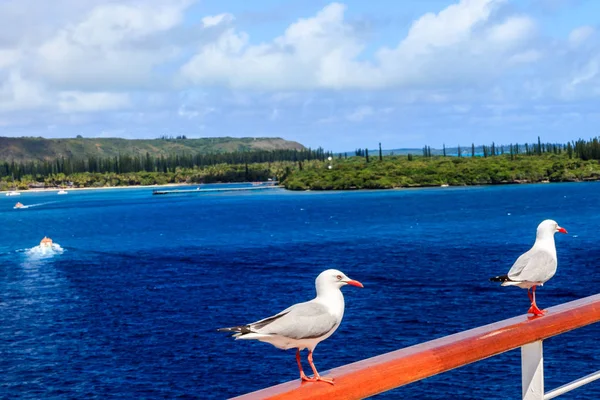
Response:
column 391, row 370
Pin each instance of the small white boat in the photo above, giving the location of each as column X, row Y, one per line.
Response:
column 445, row 185
column 46, row 242
column 13, row 193
column 62, row 192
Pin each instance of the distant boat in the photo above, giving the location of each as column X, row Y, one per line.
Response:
column 62, row 192
column 19, row 205
column 445, row 185
column 46, row 242
column 13, row 192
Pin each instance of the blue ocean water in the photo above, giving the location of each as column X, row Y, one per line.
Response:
column 130, row 308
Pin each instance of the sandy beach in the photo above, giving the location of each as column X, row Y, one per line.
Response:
column 121, row 187
column 101, row 188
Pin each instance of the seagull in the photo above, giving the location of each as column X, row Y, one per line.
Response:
column 536, row 266
column 303, row 325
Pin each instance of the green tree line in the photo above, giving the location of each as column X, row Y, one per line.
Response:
column 578, row 148
column 487, row 164
column 124, row 164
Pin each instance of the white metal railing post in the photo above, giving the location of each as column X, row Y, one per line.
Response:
column 532, row 371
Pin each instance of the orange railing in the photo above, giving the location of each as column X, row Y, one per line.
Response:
column 398, row 368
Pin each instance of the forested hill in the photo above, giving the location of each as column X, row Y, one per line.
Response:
column 39, row 149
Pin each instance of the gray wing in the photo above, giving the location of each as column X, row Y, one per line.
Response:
column 533, row 266
column 300, row 321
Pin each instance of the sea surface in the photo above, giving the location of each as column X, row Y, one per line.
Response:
column 129, row 304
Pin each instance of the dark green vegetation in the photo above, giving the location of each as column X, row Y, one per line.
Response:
column 206, row 174
column 39, row 149
column 310, row 169
column 147, row 169
column 538, row 162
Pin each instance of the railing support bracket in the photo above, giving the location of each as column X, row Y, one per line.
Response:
column 532, row 371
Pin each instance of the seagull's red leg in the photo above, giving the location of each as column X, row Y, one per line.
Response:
column 302, row 374
column 317, row 376
column 530, row 295
column 534, row 308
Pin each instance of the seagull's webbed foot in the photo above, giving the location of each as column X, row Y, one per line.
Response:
column 316, row 379
column 319, row 378
column 535, row 310
column 328, row 380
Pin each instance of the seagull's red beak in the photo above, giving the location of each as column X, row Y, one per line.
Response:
column 354, row 283
column 562, row 230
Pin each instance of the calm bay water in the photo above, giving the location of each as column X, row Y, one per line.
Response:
column 130, row 308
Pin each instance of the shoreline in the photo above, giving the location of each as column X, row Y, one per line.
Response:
column 166, row 185
column 511, row 183
column 41, row 190
column 445, row 186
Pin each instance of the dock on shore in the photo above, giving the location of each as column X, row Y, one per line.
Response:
column 198, row 190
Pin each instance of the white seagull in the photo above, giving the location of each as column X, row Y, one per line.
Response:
column 536, row 266
column 303, row 325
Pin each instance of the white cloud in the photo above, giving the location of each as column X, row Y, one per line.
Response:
column 360, row 113
column 214, row 20
column 186, row 111
column 368, row 113
column 451, row 26
column 511, row 31
column 143, row 63
column 73, row 101
column 19, row 93
column 310, row 53
column 581, row 34
column 8, row 57
column 583, row 82
column 525, row 57
column 107, row 48
column 462, row 42
column 274, row 114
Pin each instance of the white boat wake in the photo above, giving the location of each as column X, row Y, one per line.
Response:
column 47, row 251
column 32, row 205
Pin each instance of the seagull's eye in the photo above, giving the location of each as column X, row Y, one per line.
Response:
column 339, row 277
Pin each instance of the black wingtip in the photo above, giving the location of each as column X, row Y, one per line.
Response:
column 500, row 278
column 236, row 329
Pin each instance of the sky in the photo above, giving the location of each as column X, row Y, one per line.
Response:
column 340, row 75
